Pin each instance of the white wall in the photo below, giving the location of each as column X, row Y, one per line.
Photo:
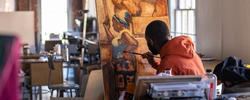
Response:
column 209, row 27
column 92, row 8
column 20, row 24
column 223, row 28
column 236, row 29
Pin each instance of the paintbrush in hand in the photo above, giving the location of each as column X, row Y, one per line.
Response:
column 135, row 53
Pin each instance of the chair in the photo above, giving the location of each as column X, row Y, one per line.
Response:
column 50, row 44
column 59, row 87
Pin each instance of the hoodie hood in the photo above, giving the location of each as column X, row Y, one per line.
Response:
column 182, row 46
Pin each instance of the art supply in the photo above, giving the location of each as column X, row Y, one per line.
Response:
column 66, row 53
column 26, row 50
column 135, row 53
column 168, row 71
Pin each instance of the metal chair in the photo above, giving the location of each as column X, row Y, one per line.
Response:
column 59, row 87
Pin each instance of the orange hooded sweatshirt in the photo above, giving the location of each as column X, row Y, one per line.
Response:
column 179, row 54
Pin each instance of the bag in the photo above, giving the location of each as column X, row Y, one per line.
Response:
column 232, row 70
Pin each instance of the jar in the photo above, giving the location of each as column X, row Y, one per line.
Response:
column 168, row 71
column 26, row 51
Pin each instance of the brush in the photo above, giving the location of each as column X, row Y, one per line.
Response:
column 135, row 53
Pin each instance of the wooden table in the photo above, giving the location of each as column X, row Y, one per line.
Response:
column 38, row 71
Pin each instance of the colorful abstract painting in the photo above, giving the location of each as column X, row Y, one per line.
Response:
column 122, row 25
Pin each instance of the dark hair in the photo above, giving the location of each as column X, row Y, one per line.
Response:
column 158, row 32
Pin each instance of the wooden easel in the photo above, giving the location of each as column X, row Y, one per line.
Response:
column 85, row 15
column 85, row 3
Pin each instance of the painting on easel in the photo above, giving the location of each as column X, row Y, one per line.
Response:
column 122, row 25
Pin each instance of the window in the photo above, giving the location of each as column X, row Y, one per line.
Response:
column 54, row 18
column 182, row 18
column 7, row 5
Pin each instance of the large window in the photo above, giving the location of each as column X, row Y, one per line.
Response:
column 54, row 18
column 182, row 18
column 7, row 5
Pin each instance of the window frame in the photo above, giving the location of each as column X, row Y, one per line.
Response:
column 177, row 8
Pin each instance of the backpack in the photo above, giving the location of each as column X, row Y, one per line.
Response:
column 232, row 70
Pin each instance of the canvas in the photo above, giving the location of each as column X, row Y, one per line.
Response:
column 122, row 25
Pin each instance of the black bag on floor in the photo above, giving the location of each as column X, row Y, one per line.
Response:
column 232, row 70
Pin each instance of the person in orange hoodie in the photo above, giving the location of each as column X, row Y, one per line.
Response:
column 177, row 53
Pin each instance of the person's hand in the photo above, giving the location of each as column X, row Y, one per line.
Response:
column 149, row 56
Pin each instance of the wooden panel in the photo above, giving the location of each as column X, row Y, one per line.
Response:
column 106, row 52
column 40, row 74
column 122, row 25
column 95, row 88
column 34, row 6
column 143, row 48
column 143, row 67
column 22, row 5
column 139, row 28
